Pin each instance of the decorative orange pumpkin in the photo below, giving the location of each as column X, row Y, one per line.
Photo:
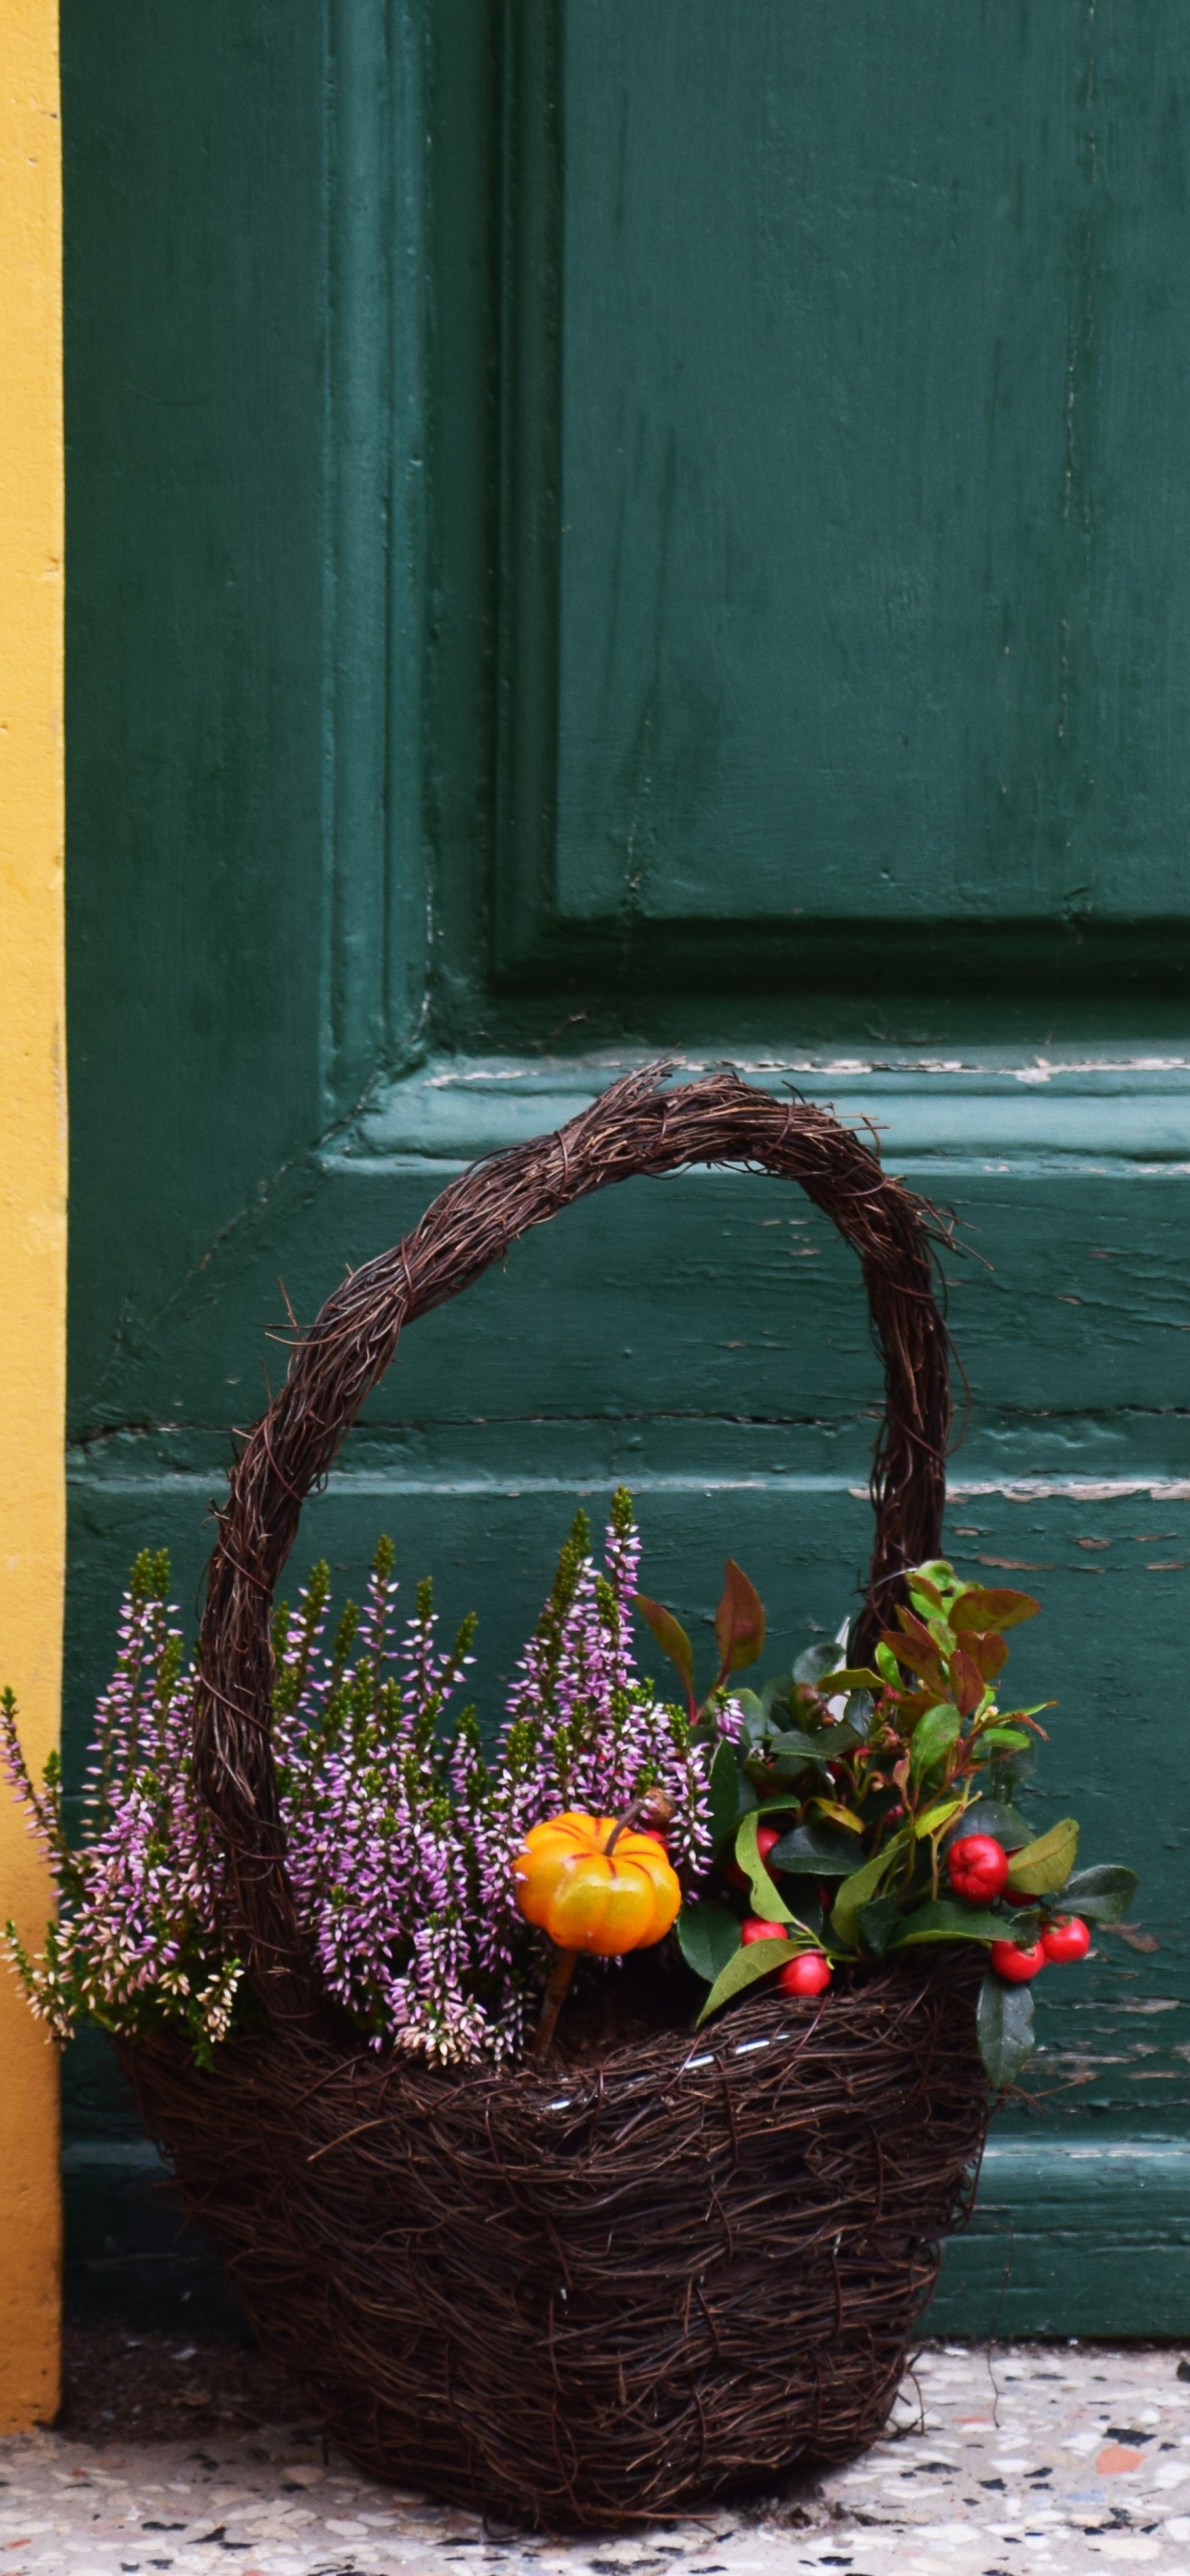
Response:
column 588, row 1898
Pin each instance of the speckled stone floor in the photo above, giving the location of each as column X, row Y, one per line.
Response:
column 1059, row 2458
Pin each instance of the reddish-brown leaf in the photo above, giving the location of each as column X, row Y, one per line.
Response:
column 966, row 1682
column 915, row 1627
column 739, row 1621
column 915, row 1704
column 917, row 1659
column 988, row 1653
column 981, row 1608
column 670, row 1636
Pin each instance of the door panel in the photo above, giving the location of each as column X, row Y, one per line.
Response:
column 872, row 362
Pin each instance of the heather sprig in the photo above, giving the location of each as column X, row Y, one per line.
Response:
column 137, row 1939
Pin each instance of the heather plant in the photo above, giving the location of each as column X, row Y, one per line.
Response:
column 400, row 1829
column 137, row 1939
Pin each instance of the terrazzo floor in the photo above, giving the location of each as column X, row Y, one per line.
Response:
column 1050, row 2458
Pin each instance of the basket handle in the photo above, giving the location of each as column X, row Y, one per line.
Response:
column 636, row 1127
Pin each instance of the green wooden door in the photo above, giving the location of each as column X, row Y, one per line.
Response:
column 595, row 529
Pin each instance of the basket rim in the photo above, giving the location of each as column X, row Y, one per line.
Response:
column 625, row 2062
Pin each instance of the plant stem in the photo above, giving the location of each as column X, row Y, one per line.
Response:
column 622, row 1823
column 555, row 1996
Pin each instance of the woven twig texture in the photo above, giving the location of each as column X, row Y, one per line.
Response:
column 592, row 2296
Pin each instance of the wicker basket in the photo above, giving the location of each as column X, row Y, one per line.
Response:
column 579, row 2296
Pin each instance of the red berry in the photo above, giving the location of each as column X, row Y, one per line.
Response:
column 808, row 1974
column 1065, row 1938
column 754, row 1928
column 978, row 1867
column 1015, row 1964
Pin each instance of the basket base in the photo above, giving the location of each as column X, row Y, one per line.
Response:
column 608, row 2295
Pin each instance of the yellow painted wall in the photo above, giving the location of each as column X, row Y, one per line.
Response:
column 32, row 1144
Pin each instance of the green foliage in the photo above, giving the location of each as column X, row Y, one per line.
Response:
column 708, row 1936
column 732, row 1794
column 1004, row 2021
column 746, row 1968
column 1100, row 1895
column 946, row 1918
column 871, row 1802
column 767, row 1900
column 815, row 1850
column 1044, row 1866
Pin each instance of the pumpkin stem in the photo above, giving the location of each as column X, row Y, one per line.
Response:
column 652, row 1803
column 555, row 1996
column 621, row 1826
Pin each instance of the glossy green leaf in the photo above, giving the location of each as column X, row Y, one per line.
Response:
column 835, row 1813
column 811, row 1914
column 767, row 1900
column 1004, row 2021
column 1003, row 1739
column 826, row 1743
column 934, row 1820
column 739, row 1621
column 877, row 1922
column 858, row 1890
column 752, row 1961
column 944, row 1918
column 791, row 1751
column 732, row 1794
column 670, row 1636
column 1102, row 1894
column 1043, row 1866
column 708, row 1936
column 848, row 1677
column 777, row 1692
column 1009, row 1769
column 932, row 1739
column 995, row 1816
column 819, row 1850
column 754, row 1715
column 811, row 1665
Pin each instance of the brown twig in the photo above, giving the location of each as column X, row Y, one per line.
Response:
column 557, row 1989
